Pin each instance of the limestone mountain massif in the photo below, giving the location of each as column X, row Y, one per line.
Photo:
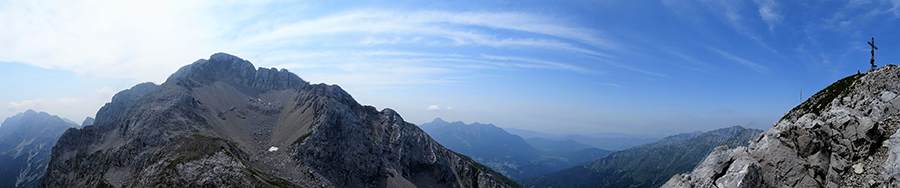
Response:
column 843, row 136
column 26, row 140
column 223, row 123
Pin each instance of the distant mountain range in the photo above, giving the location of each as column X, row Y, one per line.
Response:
column 507, row 153
column 648, row 165
column 26, row 140
column 607, row 141
column 557, row 147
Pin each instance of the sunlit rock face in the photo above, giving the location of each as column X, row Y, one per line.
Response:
column 843, row 136
column 221, row 123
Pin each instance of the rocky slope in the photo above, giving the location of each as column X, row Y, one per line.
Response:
column 648, row 165
column 26, row 140
column 843, row 136
column 222, row 123
column 507, row 153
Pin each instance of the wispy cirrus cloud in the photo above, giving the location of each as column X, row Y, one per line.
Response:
column 697, row 65
column 731, row 12
column 390, row 67
column 744, row 62
column 439, row 28
column 769, row 12
column 857, row 13
column 536, row 63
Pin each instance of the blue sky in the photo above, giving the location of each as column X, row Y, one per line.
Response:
column 639, row 67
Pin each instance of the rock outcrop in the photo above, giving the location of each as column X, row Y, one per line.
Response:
column 222, row 123
column 26, row 140
column 843, row 136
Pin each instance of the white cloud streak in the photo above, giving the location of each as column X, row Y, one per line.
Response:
column 388, row 67
column 535, row 63
column 440, row 27
column 731, row 12
column 768, row 11
column 699, row 66
column 746, row 63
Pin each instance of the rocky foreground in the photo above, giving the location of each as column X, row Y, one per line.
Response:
column 222, row 123
column 843, row 136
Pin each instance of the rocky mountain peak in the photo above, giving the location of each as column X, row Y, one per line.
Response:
column 32, row 112
column 234, row 70
column 843, row 136
column 31, row 122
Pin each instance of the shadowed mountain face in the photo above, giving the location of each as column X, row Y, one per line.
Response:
column 26, row 140
column 648, row 165
column 222, row 123
column 507, row 153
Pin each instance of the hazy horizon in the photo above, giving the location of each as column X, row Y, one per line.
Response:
column 652, row 68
